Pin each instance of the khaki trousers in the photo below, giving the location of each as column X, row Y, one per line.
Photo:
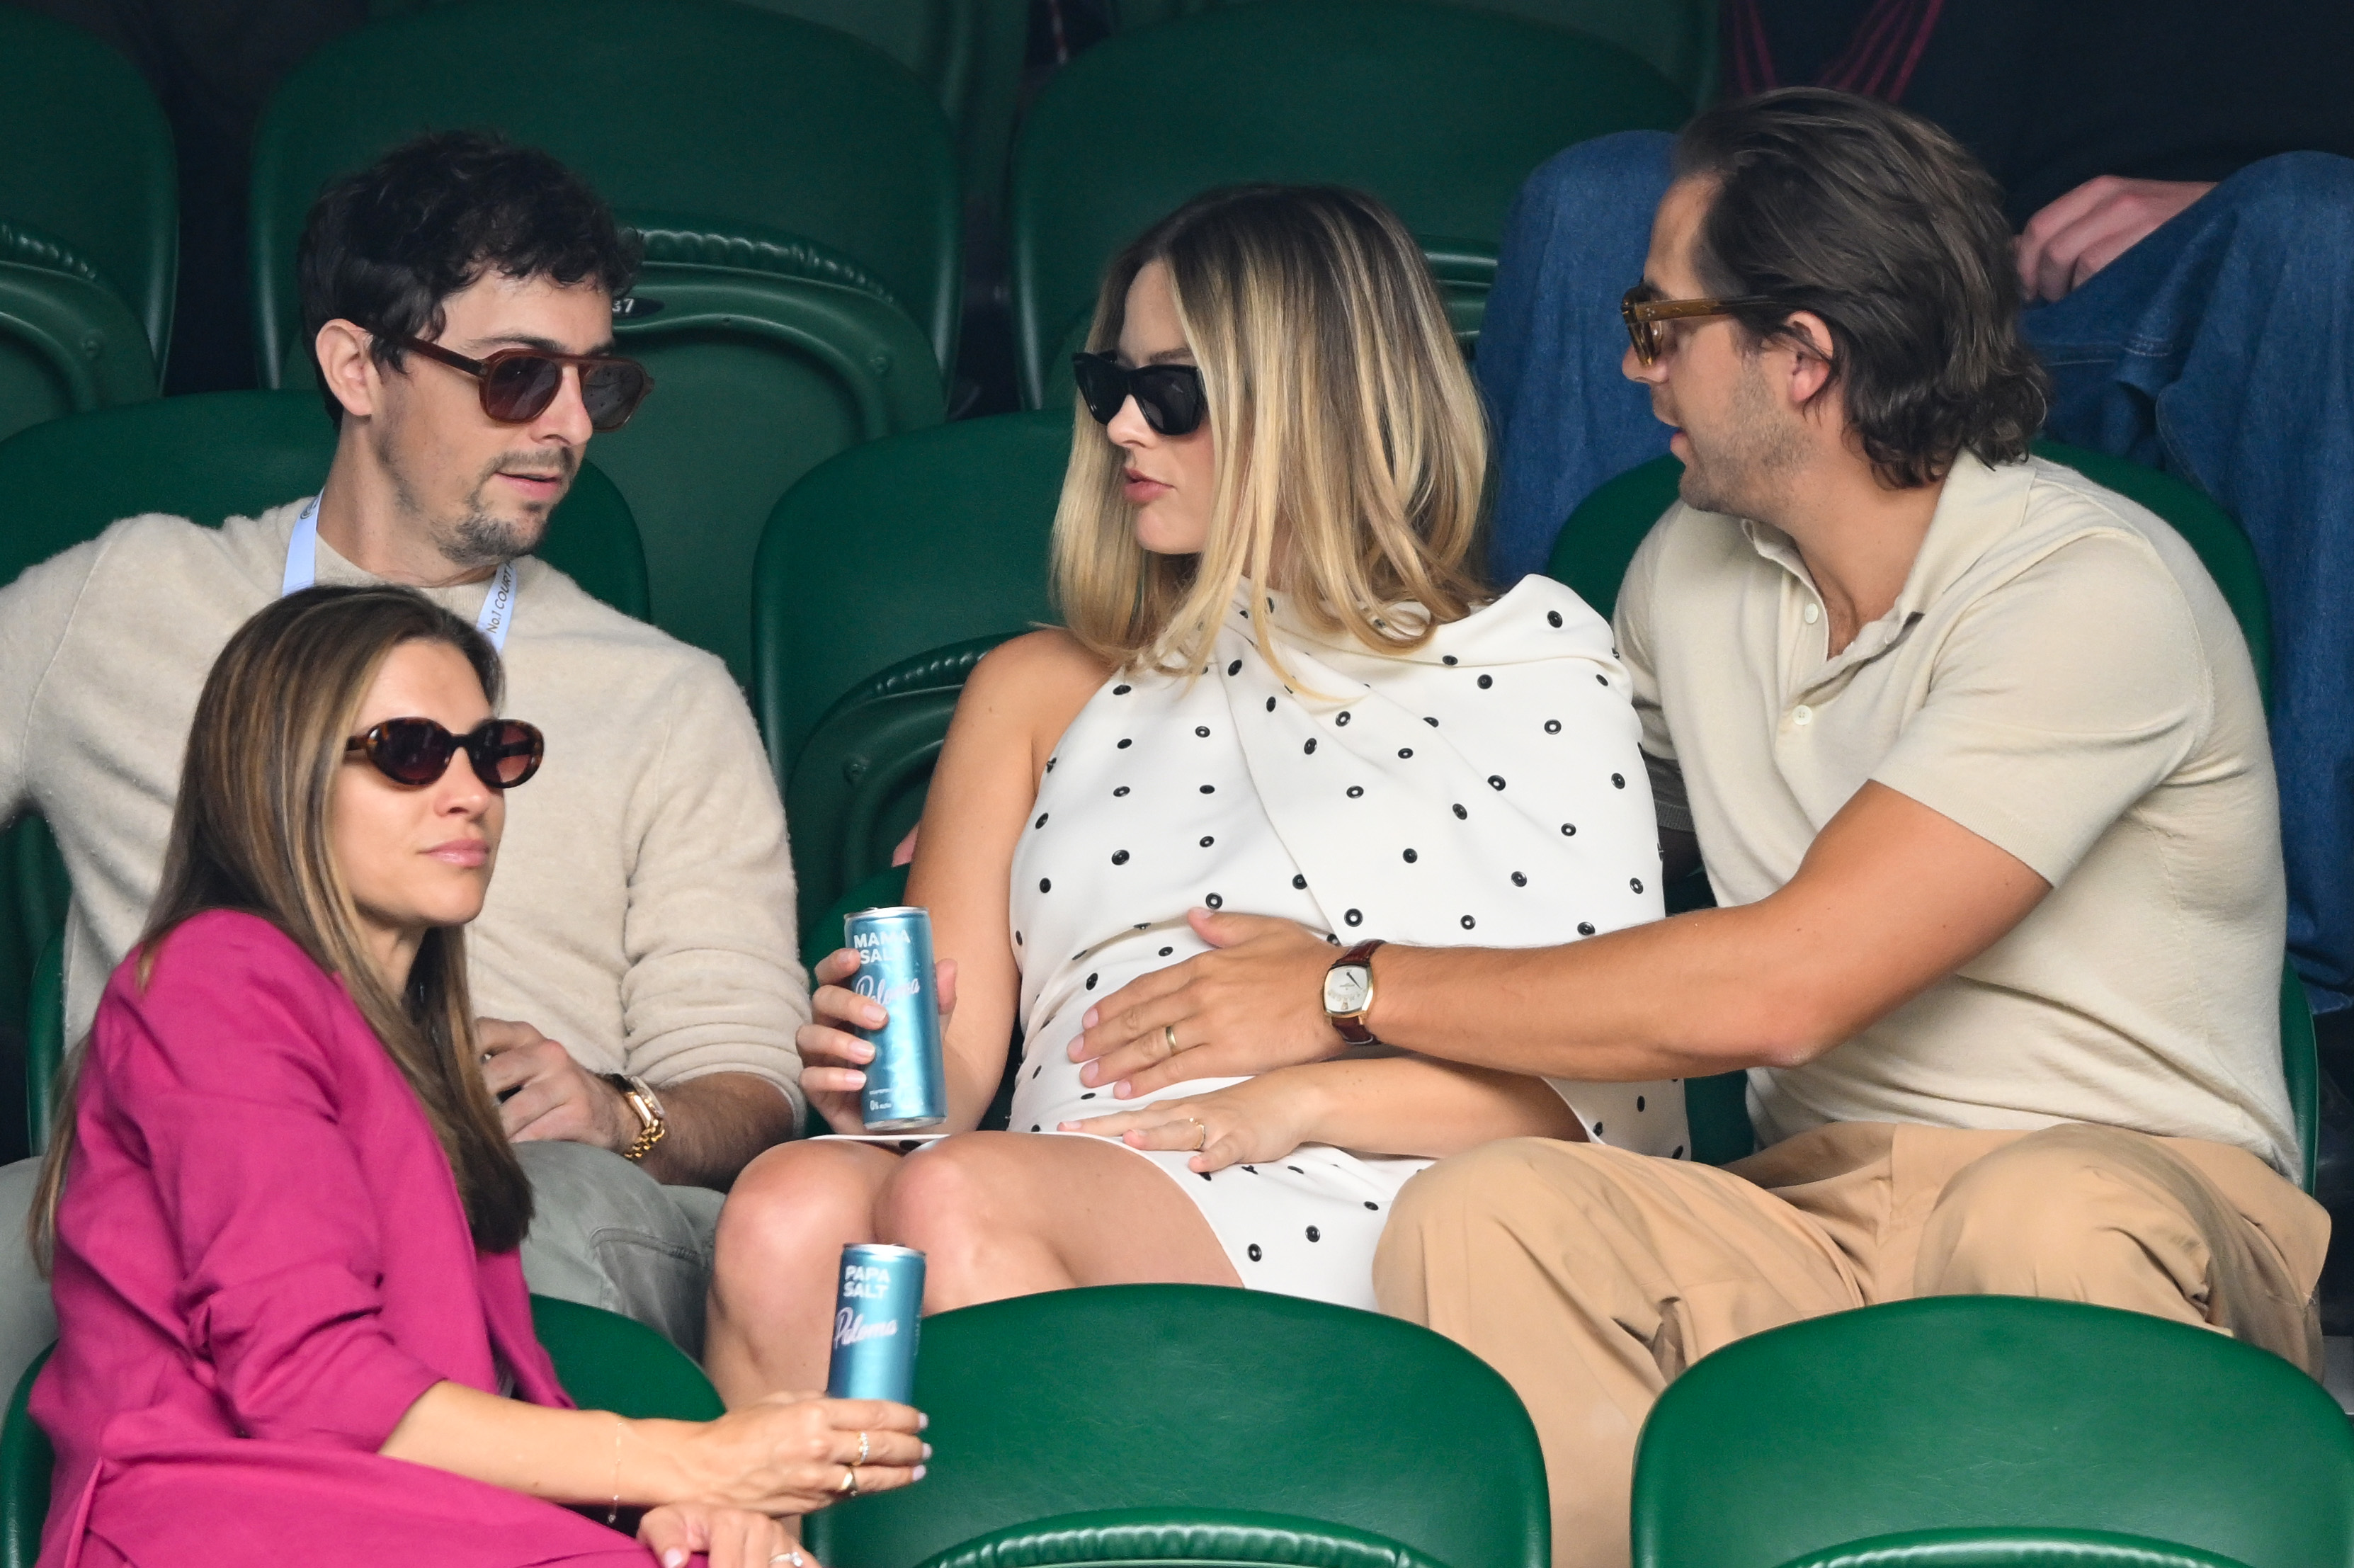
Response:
column 1590, row 1278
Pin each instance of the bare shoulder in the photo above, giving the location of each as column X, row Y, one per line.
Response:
column 1027, row 690
column 1038, row 674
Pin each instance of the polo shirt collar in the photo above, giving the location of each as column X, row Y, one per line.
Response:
column 1979, row 504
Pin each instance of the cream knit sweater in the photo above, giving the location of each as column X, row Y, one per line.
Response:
column 643, row 909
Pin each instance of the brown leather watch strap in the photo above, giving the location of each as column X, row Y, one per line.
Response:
column 1352, row 1028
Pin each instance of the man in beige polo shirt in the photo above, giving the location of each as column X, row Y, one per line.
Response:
column 1975, row 757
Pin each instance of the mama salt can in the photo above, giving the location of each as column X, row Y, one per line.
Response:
column 874, row 1324
column 906, row 1086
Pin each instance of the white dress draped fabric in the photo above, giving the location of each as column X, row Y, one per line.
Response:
column 1484, row 789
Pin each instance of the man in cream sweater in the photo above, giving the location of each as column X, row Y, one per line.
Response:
column 636, row 957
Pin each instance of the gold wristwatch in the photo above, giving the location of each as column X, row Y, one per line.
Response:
column 640, row 1097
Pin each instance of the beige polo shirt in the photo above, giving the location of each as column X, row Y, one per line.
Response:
column 2060, row 676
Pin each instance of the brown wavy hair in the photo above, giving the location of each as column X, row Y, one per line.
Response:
column 250, row 833
column 1343, row 417
column 1884, row 225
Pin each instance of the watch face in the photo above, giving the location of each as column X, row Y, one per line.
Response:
column 1346, row 988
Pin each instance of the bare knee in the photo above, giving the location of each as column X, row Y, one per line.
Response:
column 795, row 1200
column 944, row 1197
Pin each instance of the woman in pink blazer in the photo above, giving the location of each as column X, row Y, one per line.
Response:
column 281, row 1215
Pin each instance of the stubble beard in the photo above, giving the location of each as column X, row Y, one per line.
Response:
column 1741, row 471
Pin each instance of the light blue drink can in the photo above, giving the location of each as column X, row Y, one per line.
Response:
column 907, row 1083
column 875, row 1319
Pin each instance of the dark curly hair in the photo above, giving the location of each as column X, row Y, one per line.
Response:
column 383, row 248
column 1884, row 225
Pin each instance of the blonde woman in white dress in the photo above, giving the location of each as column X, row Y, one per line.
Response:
column 1283, row 692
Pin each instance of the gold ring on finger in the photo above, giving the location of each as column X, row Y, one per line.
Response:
column 1204, row 1129
column 1168, row 1033
column 862, row 1451
column 849, row 1487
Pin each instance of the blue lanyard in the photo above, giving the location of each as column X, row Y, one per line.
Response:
column 303, row 570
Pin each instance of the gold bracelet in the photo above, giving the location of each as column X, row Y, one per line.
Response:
column 642, row 1145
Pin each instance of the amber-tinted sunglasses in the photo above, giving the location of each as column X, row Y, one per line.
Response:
column 1644, row 310
column 417, row 751
column 518, row 384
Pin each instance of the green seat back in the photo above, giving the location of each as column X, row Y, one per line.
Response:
column 1984, row 1412
column 34, row 892
column 1674, row 37
column 1600, row 538
column 968, row 52
column 895, row 548
column 858, row 783
column 1187, row 1399
column 727, row 113
column 606, row 1361
column 45, row 1042
column 67, row 343
column 1439, row 111
column 27, row 1459
column 213, row 455
column 90, row 164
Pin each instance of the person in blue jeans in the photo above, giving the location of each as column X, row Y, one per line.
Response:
column 2219, row 345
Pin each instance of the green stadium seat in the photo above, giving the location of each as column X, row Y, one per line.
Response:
column 1675, row 38
column 44, row 1040
column 88, row 225
column 90, row 164
column 1441, row 111
column 1965, row 1432
column 894, row 548
column 968, row 52
column 858, row 783
column 67, row 343
column 606, row 1361
column 799, row 194
column 1601, row 536
column 1171, row 1424
column 27, row 1459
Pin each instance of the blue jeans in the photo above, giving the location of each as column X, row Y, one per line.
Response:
column 2221, row 349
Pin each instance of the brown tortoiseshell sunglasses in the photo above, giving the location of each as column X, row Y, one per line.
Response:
column 1644, row 310
column 516, row 384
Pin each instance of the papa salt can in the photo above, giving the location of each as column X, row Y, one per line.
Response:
column 876, row 1315
column 907, row 1085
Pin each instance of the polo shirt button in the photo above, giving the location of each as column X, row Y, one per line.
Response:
column 1811, row 614
column 1802, row 715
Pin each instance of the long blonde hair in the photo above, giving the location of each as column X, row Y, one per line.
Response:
column 249, row 831
column 1350, row 445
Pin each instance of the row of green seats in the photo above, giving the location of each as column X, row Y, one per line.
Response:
column 799, row 191
column 1182, row 1425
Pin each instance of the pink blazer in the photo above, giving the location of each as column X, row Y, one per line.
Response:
column 261, row 1263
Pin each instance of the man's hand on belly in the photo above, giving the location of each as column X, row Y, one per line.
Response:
column 544, row 1094
column 1254, row 1004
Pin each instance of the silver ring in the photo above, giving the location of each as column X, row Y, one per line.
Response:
column 861, row 1450
column 793, row 1557
column 1168, row 1033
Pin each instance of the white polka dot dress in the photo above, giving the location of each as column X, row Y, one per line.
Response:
column 1485, row 789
